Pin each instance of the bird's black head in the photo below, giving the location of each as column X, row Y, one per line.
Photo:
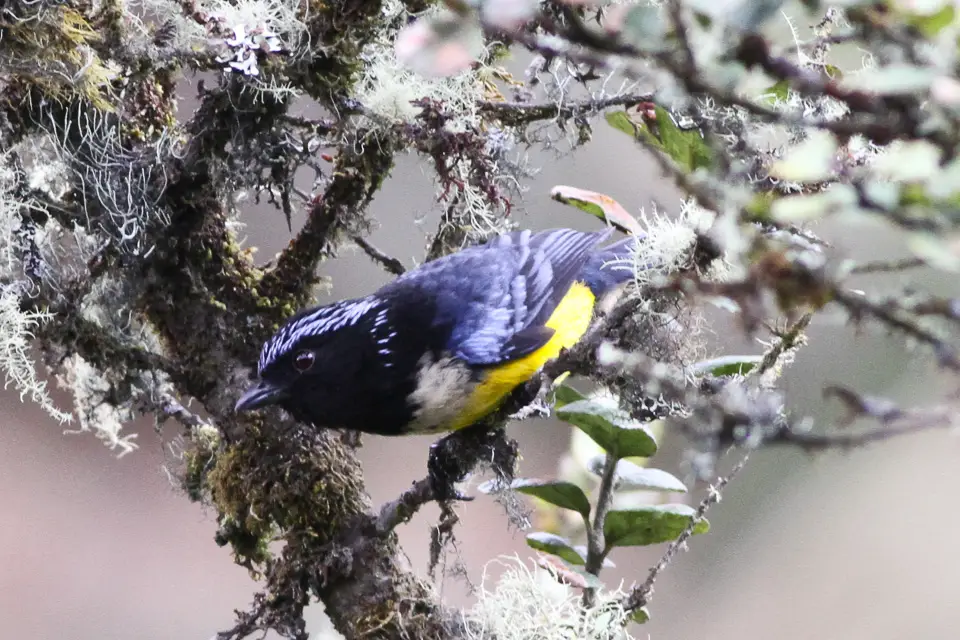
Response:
column 310, row 366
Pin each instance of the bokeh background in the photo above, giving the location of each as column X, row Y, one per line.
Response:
column 848, row 545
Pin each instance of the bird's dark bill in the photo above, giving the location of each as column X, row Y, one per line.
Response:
column 260, row 395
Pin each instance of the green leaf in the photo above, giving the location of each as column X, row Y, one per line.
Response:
column 649, row 525
column 599, row 205
column 779, row 91
column 620, row 121
column 892, row 80
column 565, row 394
column 759, row 205
column 932, row 24
column 833, row 72
column 686, row 146
column 912, row 161
column 641, row 615
column 936, row 251
column 633, row 477
column 810, row 161
column 727, row 365
column 801, row 208
column 607, row 562
column 606, row 425
column 557, row 492
column 555, row 545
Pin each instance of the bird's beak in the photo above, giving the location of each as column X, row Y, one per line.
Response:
column 260, row 395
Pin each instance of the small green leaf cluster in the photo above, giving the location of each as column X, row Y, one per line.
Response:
column 608, row 528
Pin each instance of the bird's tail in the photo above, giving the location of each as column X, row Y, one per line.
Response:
column 609, row 266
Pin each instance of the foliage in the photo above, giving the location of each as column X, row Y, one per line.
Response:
column 120, row 260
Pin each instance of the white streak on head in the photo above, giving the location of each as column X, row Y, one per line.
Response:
column 325, row 319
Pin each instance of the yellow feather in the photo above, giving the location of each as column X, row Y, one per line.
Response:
column 570, row 321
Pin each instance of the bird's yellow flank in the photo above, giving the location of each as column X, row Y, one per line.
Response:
column 570, row 321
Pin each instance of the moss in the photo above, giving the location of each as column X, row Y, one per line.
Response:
column 339, row 31
column 263, row 484
column 39, row 44
column 198, row 461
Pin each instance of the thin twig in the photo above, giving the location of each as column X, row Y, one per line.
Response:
column 396, row 512
column 904, row 421
column 172, row 408
column 888, row 266
column 391, row 264
column 519, row 112
column 641, row 595
column 596, row 546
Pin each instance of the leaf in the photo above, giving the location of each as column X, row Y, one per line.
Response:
column 779, row 91
column 557, row 492
column 932, row 24
column 913, row 161
column 727, row 365
column 606, row 425
column 810, row 161
column 565, row 394
column 833, row 72
column 806, row 207
column 621, row 121
column 555, row 545
column 759, row 205
column 936, row 251
column 633, row 477
column 440, row 45
column 649, row 525
column 892, row 80
column 655, row 125
column 599, row 205
column 641, row 615
column 569, row 574
column 607, row 562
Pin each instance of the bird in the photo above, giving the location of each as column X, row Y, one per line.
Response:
column 441, row 346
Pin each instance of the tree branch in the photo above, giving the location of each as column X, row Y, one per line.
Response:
column 356, row 179
column 641, row 594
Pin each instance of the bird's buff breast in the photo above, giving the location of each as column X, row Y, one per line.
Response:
column 449, row 397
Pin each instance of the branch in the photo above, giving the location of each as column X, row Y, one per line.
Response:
column 888, row 266
column 396, row 512
column 389, row 263
column 641, row 595
column 356, row 179
column 894, row 422
column 596, row 546
column 859, row 305
column 517, row 113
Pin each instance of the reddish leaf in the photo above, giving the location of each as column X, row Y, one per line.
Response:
column 599, row 205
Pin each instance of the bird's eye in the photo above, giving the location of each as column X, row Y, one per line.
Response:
column 303, row 361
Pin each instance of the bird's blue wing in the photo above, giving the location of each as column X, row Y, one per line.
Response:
column 497, row 297
column 609, row 266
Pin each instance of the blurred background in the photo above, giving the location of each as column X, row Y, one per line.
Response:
column 843, row 545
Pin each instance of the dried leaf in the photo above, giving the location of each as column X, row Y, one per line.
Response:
column 599, row 205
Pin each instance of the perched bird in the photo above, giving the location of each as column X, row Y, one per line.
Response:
column 440, row 347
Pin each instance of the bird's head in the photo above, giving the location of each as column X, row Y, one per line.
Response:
column 306, row 364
